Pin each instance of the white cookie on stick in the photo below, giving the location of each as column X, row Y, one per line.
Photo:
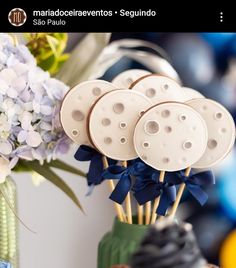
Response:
column 112, row 121
column 76, row 106
column 159, row 88
column 170, row 136
column 221, row 131
column 126, row 78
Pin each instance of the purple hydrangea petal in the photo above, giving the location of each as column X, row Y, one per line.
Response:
column 13, row 162
column 12, row 93
column 33, row 138
column 19, row 84
column 21, row 137
column 8, row 75
column 5, row 147
column 29, row 111
column 46, row 110
column 25, row 120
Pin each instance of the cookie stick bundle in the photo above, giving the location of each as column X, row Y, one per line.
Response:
column 73, row 115
column 108, row 119
column 120, row 109
column 221, row 137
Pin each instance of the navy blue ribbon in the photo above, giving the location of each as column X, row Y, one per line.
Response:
column 122, row 188
column 94, row 175
column 194, row 182
column 124, row 175
column 148, row 188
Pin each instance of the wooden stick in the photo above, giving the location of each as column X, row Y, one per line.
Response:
column 148, row 209
column 140, row 214
column 128, row 201
column 157, row 200
column 179, row 195
column 118, row 207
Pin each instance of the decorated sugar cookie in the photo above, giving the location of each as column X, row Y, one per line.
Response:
column 191, row 94
column 112, row 121
column 170, row 136
column 221, row 131
column 76, row 105
column 126, row 78
column 159, row 88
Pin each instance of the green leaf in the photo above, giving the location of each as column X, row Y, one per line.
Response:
column 46, row 64
column 48, row 174
column 20, row 167
column 63, row 166
column 53, row 43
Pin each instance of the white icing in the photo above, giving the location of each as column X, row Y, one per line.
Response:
column 167, row 143
column 160, row 89
column 76, row 106
column 122, row 108
column 126, row 78
column 221, row 131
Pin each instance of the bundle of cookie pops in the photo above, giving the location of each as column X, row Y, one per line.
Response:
column 147, row 137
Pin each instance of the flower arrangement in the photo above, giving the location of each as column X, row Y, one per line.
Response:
column 31, row 135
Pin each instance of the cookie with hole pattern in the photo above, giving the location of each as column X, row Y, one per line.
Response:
column 76, row 106
column 221, row 131
column 112, row 121
column 126, row 78
column 159, row 88
column 170, row 136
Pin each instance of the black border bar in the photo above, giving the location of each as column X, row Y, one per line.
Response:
column 166, row 20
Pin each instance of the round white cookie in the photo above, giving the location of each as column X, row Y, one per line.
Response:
column 159, row 89
column 190, row 94
column 221, row 131
column 76, row 106
column 126, row 78
column 170, row 136
column 112, row 121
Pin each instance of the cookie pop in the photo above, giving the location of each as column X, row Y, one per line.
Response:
column 159, row 88
column 111, row 126
column 74, row 112
column 126, row 78
column 76, row 105
column 170, row 136
column 221, row 137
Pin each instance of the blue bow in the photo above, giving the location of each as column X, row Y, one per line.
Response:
column 148, row 188
column 124, row 175
column 94, row 175
column 193, row 183
column 123, row 186
column 4, row 264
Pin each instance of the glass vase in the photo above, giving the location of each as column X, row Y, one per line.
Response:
column 8, row 223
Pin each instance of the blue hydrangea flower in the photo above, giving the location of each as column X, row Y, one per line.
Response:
column 29, row 109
